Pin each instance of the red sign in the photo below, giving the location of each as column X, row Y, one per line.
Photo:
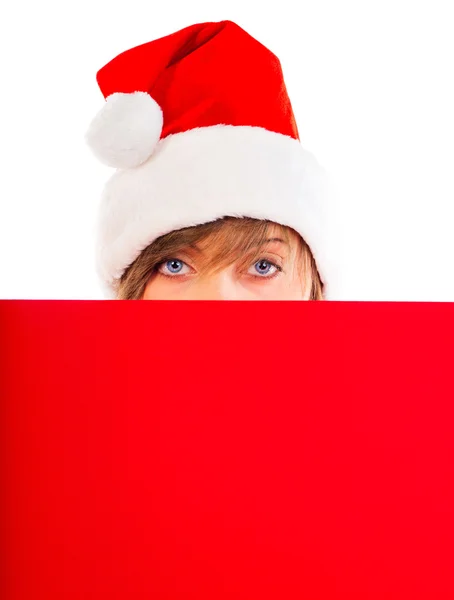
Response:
column 214, row 450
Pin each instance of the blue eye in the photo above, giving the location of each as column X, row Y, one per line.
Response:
column 173, row 266
column 264, row 267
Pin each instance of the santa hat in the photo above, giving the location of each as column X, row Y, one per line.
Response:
column 199, row 126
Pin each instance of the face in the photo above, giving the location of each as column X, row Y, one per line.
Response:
column 276, row 275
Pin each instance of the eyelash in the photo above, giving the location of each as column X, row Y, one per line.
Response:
column 273, row 264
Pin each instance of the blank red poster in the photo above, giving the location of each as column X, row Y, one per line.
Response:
column 227, row 450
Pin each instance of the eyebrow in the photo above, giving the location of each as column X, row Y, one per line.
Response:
column 274, row 239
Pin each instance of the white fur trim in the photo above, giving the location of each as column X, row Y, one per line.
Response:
column 126, row 130
column 207, row 173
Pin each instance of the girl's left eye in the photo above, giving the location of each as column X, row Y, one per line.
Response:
column 262, row 268
column 173, row 266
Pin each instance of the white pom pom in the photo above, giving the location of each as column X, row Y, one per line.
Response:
column 126, row 130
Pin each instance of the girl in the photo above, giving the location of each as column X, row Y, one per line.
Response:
column 214, row 196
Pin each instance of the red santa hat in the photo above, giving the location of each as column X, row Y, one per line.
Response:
column 199, row 126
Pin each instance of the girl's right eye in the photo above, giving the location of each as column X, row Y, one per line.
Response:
column 173, row 267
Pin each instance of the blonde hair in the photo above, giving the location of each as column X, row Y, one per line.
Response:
column 230, row 237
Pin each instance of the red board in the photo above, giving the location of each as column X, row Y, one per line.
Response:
column 214, row 450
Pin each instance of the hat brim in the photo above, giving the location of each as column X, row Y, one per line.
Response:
column 207, row 173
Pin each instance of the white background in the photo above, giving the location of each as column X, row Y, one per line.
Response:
column 372, row 87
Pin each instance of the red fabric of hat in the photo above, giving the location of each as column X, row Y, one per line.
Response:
column 196, row 83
